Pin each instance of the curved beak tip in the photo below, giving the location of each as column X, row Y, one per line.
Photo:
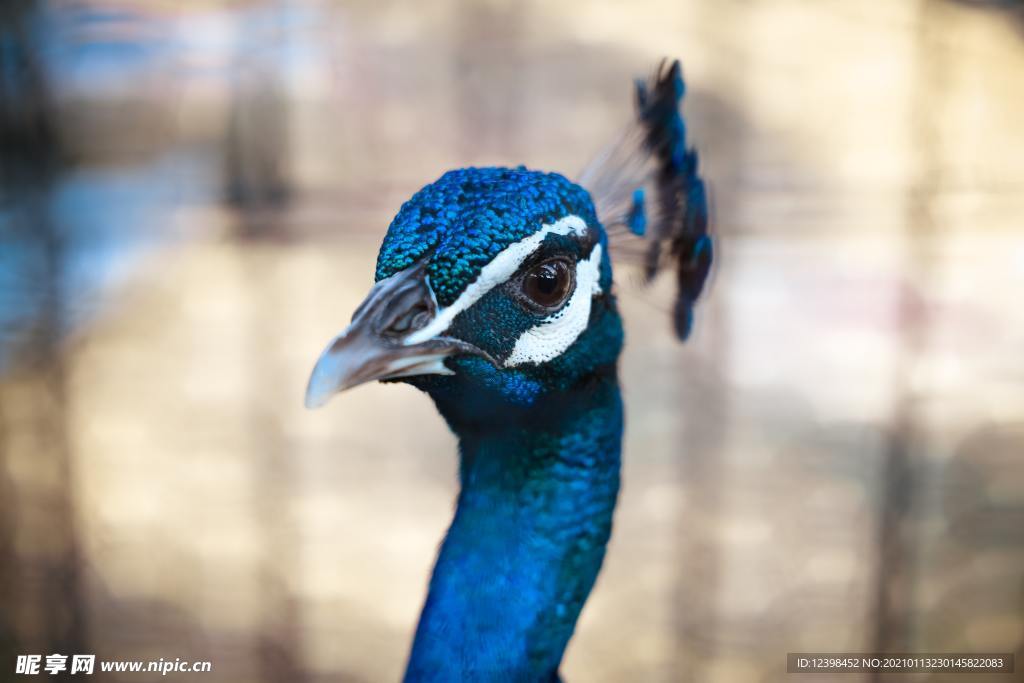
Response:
column 314, row 398
column 330, row 375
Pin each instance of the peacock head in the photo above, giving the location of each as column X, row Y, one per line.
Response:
column 493, row 289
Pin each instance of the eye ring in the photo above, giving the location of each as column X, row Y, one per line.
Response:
column 548, row 284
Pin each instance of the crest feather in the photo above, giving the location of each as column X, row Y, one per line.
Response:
column 646, row 185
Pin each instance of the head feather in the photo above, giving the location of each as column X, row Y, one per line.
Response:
column 646, row 185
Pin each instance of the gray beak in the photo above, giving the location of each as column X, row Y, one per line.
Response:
column 374, row 345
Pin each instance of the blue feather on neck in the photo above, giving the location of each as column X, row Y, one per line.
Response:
column 533, row 518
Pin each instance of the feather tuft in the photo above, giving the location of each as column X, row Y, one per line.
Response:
column 646, row 185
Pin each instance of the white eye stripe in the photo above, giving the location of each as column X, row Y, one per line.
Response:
column 500, row 269
column 549, row 338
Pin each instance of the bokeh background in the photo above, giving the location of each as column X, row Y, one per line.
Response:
column 192, row 197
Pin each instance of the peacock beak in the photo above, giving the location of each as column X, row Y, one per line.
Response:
column 375, row 345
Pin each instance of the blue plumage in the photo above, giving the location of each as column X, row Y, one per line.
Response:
column 468, row 215
column 529, row 534
column 494, row 295
column 649, row 182
column 681, row 191
column 637, row 220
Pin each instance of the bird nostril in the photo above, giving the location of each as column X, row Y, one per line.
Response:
column 413, row 319
column 421, row 318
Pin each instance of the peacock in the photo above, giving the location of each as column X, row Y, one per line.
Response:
column 494, row 295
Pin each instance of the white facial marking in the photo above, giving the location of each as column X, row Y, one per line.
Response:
column 500, row 269
column 549, row 338
column 422, row 365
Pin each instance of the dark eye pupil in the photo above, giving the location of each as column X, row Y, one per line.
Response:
column 547, row 280
column 548, row 283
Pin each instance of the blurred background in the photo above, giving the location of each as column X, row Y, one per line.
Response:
column 191, row 199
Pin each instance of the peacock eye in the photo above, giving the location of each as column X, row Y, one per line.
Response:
column 549, row 284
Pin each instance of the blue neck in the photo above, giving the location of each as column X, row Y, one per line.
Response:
column 527, row 542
